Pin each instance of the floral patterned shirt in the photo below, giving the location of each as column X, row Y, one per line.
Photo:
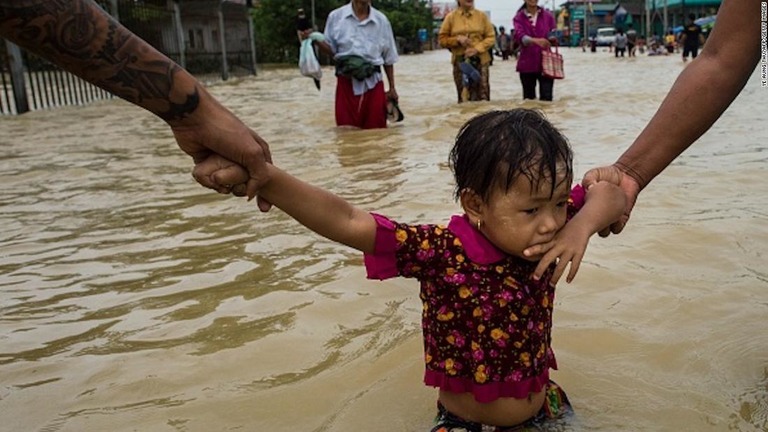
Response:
column 486, row 323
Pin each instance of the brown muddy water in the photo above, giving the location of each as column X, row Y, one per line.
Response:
column 133, row 300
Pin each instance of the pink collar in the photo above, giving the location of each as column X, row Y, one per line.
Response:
column 479, row 249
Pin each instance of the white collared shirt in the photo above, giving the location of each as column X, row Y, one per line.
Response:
column 371, row 38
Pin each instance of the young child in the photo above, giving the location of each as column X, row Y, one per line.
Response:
column 487, row 278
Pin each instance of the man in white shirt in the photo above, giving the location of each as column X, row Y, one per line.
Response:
column 361, row 41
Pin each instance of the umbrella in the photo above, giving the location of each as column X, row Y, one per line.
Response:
column 620, row 16
column 707, row 22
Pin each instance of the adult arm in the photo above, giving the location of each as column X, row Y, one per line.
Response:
column 389, row 70
column 80, row 37
column 699, row 96
column 319, row 210
column 325, row 48
column 328, row 45
column 524, row 34
column 390, row 56
column 604, row 203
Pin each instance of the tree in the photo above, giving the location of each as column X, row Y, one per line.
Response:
column 407, row 17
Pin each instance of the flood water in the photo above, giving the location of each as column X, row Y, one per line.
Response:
column 133, row 300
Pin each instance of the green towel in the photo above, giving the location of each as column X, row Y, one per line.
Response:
column 355, row 67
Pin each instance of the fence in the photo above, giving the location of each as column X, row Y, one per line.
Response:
column 211, row 39
column 42, row 85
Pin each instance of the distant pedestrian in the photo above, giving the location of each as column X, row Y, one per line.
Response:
column 641, row 45
column 691, row 38
column 631, row 40
column 303, row 25
column 469, row 34
column 533, row 25
column 361, row 42
column 505, row 43
column 669, row 42
column 621, row 43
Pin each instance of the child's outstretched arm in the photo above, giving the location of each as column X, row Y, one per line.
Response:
column 319, row 210
column 604, row 204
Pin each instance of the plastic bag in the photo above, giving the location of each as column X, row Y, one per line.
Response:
column 308, row 63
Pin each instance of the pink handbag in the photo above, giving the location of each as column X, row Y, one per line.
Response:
column 552, row 64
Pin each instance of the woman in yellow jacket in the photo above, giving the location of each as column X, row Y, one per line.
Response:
column 469, row 34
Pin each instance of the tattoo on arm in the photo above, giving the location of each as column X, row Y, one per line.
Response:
column 81, row 38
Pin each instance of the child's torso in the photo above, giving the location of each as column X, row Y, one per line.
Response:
column 486, row 326
column 485, row 323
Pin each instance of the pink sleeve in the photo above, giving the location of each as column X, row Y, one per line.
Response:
column 575, row 201
column 577, row 196
column 382, row 263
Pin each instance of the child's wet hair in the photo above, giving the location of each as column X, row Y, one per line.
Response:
column 495, row 148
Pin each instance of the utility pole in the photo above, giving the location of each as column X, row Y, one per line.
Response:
column 682, row 11
column 648, row 20
column 223, row 43
column 313, row 16
column 586, row 19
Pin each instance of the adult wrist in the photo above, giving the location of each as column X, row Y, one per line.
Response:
column 635, row 176
column 194, row 105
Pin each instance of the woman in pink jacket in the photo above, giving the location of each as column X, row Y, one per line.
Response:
column 532, row 26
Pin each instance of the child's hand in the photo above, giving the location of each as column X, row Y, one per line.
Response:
column 226, row 176
column 568, row 246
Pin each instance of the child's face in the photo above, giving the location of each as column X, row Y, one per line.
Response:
column 521, row 217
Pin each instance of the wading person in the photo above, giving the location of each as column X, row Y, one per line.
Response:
column 487, row 302
column 361, row 42
column 469, row 34
column 691, row 38
column 533, row 25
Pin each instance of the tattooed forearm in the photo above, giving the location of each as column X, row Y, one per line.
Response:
column 81, row 38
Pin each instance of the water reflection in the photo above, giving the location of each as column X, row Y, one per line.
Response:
column 131, row 299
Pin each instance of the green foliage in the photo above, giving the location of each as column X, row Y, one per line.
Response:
column 406, row 16
column 275, row 26
column 275, row 23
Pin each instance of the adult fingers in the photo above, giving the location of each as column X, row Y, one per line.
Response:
column 255, row 160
